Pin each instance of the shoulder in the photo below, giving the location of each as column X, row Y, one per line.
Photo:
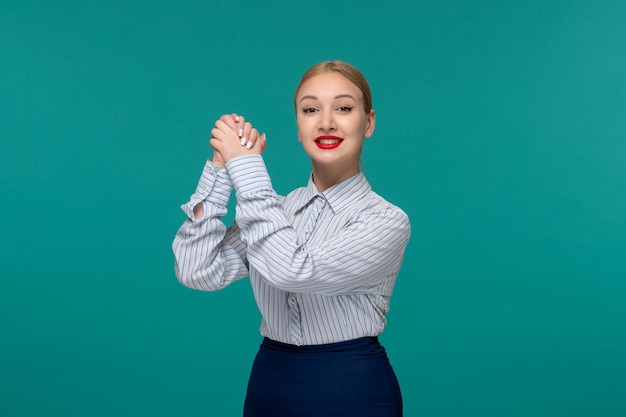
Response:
column 293, row 200
column 295, row 195
column 374, row 208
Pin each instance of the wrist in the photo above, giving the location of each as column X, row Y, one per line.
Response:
column 218, row 160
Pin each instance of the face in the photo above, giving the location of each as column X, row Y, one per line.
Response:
column 332, row 122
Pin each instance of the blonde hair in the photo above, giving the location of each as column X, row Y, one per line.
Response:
column 351, row 73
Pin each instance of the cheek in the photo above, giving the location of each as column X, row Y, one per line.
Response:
column 303, row 128
column 354, row 128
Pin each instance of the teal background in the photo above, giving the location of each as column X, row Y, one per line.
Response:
column 501, row 132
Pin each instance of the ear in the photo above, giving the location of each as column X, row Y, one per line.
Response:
column 371, row 124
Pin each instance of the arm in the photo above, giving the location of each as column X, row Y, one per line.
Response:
column 233, row 125
column 359, row 258
column 208, row 255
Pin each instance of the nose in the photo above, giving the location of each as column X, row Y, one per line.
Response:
column 327, row 121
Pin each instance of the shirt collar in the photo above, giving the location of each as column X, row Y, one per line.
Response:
column 339, row 196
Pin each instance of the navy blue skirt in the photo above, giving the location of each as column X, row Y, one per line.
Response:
column 352, row 378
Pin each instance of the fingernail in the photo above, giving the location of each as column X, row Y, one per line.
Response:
column 244, row 140
column 249, row 145
column 237, row 118
column 264, row 136
column 240, row 133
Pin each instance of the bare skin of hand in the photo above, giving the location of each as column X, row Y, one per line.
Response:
column 235, row 137
column 246, row 136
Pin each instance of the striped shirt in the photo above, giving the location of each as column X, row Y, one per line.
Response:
column 322, row 265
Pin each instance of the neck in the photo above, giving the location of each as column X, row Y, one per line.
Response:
column 325, row 177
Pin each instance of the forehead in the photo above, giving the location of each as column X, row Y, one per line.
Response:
column 328, row 85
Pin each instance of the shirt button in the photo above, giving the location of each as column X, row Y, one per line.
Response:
column 298, row 342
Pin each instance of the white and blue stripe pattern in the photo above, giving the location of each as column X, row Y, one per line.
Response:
column 322, row 265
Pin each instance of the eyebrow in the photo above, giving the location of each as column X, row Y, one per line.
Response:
column 336, row 97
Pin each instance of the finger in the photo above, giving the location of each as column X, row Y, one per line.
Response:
column 245, row 138
column 215, row 144
column 240, row 125
column 223, row 133
column 253, row 138
column 223, row 127
column 229, row 119
column 261, row 141
column 214, row 139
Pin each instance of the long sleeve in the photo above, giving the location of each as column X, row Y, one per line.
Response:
column 208, row 255
column 363, row 254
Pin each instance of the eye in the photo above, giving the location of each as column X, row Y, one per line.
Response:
column 344, row 109
column 308, row 110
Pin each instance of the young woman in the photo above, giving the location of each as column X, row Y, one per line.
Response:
column 322, row 261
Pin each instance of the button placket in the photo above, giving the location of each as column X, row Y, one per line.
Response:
column 295, row 327
column 314, row 213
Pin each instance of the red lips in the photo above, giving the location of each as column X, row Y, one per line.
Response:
column 328, row 142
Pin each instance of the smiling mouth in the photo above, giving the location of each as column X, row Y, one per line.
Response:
column 328, row 142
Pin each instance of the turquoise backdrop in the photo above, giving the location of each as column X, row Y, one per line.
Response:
column 501, row 132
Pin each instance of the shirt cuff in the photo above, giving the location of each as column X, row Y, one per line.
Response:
column 214, row 187
column 249, row 175
column 214, row 184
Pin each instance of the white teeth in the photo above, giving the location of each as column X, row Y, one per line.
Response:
column 328, row 141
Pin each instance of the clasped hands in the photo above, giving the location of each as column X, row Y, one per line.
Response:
column 232, row 136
